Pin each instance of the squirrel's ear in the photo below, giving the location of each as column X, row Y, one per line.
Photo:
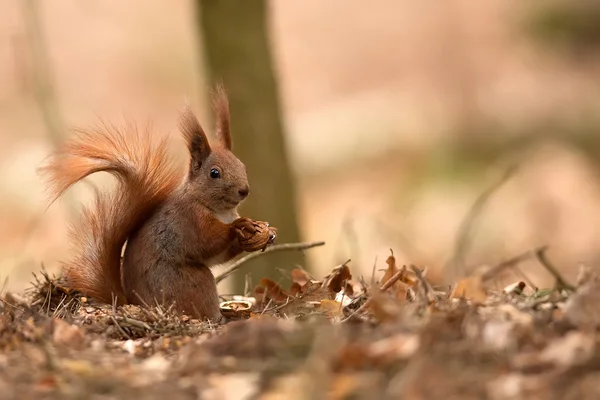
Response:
column 221, row 107
column 195, row 138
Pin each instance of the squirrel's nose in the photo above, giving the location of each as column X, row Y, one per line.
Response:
column 244, row 192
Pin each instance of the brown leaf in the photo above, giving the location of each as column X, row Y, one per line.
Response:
column 300, row 277
column 47, row 383
column 471, row 288
column 332, row 308
column 349, row 289
column 260, row 294
column 310, row 287
column 354, row 356
column 391, row 270
column 397, row 288
column 400, row 346
column 354, row 289
column 383, row 308
column 314, row 292
column 346, row 385
column 254, row 316
column 274, row 291
column 295, row 289
column 337, row 279
column 67, row 335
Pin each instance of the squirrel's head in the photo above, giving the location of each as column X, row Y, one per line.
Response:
column 218, row 178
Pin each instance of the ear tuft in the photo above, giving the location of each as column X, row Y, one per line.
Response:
column 195, row 138
column 220, row 103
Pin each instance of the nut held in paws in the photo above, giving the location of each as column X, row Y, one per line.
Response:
column 258, row 240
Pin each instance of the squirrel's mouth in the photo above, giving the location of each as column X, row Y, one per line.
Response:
column 232, row 203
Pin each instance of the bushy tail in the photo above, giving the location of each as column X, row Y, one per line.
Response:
column 146, row 176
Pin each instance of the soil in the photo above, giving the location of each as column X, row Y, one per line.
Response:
column 335, row 338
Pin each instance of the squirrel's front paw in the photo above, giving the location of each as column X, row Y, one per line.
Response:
column 253, row 235
column 245, row 226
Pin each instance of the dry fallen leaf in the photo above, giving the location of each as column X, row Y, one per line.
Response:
column 574, row 348
column 332, row 308
column 338, row 277
column 384, row 308
column 232, row 386
column 273, row 291
column 400, row 346
column 397, row 288
column 354, row 355
column 47, row 383
column 67, row 335
column 471, row 288
column 295, row 289
column 300, row 277
column 345, row 385
column 254, row 316
column 260, row 294
column 391, row 269
column 581, row 308
column 79, row 367
column 349, row 289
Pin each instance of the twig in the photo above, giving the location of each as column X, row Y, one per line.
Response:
column 11, row 305
column 114, row 320
column 393, row 279
column 463, row 238
column 560, row 281
column 267, row 306
column 511, row 262
column 383, row 288
column 428, row 290
column 373, row 272
column 139, row 324
column 280, row 306
column 278, row 247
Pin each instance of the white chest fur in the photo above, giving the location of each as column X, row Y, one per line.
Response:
column 225, row 217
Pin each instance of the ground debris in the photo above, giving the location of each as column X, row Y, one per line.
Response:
column 337, row 338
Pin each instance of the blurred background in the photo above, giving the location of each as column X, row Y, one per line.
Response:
column 457, row 133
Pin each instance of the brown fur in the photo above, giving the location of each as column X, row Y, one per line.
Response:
column 176, row 225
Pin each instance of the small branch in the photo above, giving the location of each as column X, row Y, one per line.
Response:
column 511, row 262
column 278, row 247
column 393, row 279
column 139, row 324
column 560, row 281
column 463, row 239
column 121, row 330
column 428, row 291
column 383, row 288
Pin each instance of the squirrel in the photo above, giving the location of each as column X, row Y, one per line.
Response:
column 175, row 225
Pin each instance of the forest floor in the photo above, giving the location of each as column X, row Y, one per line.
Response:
column 339, row 337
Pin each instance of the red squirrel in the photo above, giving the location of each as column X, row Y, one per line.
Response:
column 174, row 224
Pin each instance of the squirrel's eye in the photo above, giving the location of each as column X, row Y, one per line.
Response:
column 215, row 174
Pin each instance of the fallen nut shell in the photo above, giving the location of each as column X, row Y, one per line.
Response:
column 236, row 308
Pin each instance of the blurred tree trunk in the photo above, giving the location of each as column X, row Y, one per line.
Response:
column 237, row 52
